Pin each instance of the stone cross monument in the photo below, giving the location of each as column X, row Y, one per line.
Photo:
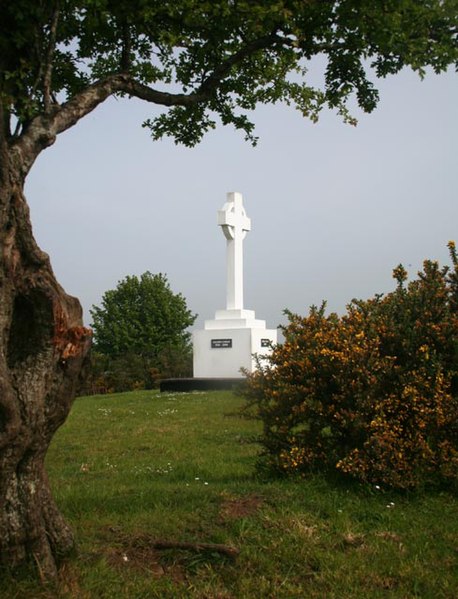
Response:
column 227, row 343
column 235, row 225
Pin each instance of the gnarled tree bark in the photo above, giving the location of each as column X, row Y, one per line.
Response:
column 44, row 345
column 43, row 349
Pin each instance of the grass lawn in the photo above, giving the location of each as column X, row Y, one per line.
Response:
column 133, row 468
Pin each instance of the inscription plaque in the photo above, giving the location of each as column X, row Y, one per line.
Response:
column 265, row 342
column 221, row 343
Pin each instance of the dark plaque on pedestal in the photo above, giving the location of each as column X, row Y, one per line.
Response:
column 221, row 343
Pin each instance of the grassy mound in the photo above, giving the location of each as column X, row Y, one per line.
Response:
column 129, row 470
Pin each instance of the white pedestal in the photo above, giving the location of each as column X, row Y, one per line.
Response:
column 228, row 343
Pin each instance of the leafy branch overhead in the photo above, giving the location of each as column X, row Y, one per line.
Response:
column 206, row 60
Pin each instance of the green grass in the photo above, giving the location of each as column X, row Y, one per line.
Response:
column 130, row 468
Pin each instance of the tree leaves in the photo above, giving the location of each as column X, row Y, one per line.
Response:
column 215, row 58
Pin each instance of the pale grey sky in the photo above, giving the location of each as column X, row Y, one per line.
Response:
column 334, row 208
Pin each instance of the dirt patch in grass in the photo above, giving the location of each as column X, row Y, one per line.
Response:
column 377, row 581
column 303, row 528
column 142, row 559
column 233, row 508
column 351, row 539
column 388, row 536
column 140, row 552
column 128, row 552
column 69, row 582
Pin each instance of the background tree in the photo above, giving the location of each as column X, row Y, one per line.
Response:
column 199, row 61
column 143, row 318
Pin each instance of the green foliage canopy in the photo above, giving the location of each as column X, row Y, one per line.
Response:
column 142, row 316
column 208, row 59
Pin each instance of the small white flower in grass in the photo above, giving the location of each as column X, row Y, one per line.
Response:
column 340, row 511
column 165, row 469
column 125, row 558
column 197, row 478
column 205, row 483
column 105, row 411
column 377, row 487
column 166, row 412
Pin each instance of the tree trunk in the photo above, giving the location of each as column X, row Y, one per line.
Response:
column 43, row 349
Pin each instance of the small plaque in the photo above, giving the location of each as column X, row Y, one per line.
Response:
column 265, row 342
column 221, row 343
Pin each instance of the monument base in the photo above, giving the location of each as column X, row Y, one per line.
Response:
column 187, row 385
column 223, row 352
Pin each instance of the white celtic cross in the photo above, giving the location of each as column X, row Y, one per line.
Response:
column 235, row 224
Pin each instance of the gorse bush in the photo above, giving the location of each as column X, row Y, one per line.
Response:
column 372, row 394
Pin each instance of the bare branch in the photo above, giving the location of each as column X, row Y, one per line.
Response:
column 206, row 90
column 39, row 75
column 126, row 49
column 49, row 61
column 139, row 90
column 41, row 131
column 223, row 69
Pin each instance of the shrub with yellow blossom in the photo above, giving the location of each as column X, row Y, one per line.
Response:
column 372, row 394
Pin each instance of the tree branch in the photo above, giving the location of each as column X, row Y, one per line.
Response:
column 41, row 132
column 131, row 86
column 125, row 62
column 224, row 68
column 49, row 61
column 209, row 85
